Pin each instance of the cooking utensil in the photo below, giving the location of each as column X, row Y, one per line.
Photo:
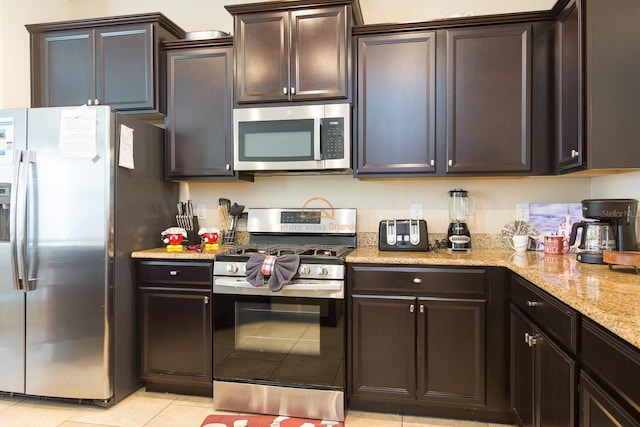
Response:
column 235, row 211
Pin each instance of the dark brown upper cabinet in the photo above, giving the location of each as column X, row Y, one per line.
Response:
column 466, row 100
column 597, row 72
column 488, row 99
column 107, row 61
column 396, row 114
column 199, row 134
column 298, row 52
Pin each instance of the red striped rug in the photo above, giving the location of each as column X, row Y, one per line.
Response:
column 264, row 421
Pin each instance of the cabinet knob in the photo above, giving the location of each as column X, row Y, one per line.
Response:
column 421, row 308
column 293, row 90
column 174, row 272
column 450, row 162
column 530, row 340
column 574, row 154
column 227, row 166
column 206, row 300
column 417, row 280
column 88, row 102
column 432, row 163
column 412, row 308
column 284, row 90
column 96, row 101
column 534, row 303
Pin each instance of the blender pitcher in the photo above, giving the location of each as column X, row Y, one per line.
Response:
column 461, row 206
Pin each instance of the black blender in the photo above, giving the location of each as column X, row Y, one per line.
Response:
column 460, row 207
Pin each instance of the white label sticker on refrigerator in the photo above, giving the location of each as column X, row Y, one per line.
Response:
column 125, row 159
column 6, row 140
column 78, row 133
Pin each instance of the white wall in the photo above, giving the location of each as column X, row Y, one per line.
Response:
column 374, row 199
column 14, row 44
column 391, row 198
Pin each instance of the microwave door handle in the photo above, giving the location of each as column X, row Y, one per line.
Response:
column 317, row 133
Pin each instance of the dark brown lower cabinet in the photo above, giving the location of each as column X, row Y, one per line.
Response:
column 175, row 326
column 610, row 394
column 543, row 377
column 419, row 343
column 599, row 409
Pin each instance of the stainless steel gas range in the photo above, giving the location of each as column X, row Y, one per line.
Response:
column 279, row 314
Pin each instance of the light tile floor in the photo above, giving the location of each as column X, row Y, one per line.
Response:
column 151, row 409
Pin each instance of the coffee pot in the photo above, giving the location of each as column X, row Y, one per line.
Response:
column 596, row 238
column 614, row 228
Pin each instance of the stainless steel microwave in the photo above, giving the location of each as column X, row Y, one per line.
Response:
column 295, row 138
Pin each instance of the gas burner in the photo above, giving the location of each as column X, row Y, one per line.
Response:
column 292, row 249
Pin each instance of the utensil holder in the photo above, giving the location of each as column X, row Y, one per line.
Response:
column 229, row 238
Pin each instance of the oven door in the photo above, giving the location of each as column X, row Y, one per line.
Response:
column 275, row 340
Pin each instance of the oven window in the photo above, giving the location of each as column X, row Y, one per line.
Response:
column 278, row 140
column 280, row 328
column 281, row 340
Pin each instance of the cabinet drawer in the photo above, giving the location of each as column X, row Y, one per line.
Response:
column 454, row 282
column 552, row 316
column 611, row 359
column 175, row 273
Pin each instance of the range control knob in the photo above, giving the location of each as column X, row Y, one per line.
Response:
column 304, row 270
column 321, row 271
column 232, row 268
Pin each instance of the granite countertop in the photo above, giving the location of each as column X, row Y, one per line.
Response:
column 609, row 297
column 184, row 254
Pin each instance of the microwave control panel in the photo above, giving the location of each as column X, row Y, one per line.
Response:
column 332, row 138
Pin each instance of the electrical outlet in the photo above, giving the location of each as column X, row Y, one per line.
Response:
column 522, row 212
column 201, row 208
column 416, row 211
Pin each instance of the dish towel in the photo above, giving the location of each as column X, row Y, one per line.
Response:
column 280, row 270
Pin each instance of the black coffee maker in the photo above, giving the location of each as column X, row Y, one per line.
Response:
column 614, row 228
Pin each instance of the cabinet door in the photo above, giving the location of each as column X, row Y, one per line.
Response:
column 569, row 151
column 522, row 370
column 488, row 88
column 199, row 108
column 599, row 409
column 262, row 57
column 63, row 69
column 319, row 53
column 396, row 104
column 383, row 344
column 175, row 336
column 451, row 343
column 125, row 72
column 556, row 383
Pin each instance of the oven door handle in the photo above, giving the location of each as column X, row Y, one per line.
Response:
column 333, row 289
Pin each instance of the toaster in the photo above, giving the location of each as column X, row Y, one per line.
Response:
column 403, row 235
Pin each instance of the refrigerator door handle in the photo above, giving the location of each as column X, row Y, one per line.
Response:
column 18, row 221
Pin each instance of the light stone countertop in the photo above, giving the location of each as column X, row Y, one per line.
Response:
column 609, row 297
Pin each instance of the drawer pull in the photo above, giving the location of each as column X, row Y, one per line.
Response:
column 417, row 280
column 534, row 303
column 174, row 272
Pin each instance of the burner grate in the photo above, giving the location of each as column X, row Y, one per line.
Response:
column 332, row 251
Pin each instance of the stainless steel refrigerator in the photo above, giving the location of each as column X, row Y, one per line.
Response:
column 80, row 189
